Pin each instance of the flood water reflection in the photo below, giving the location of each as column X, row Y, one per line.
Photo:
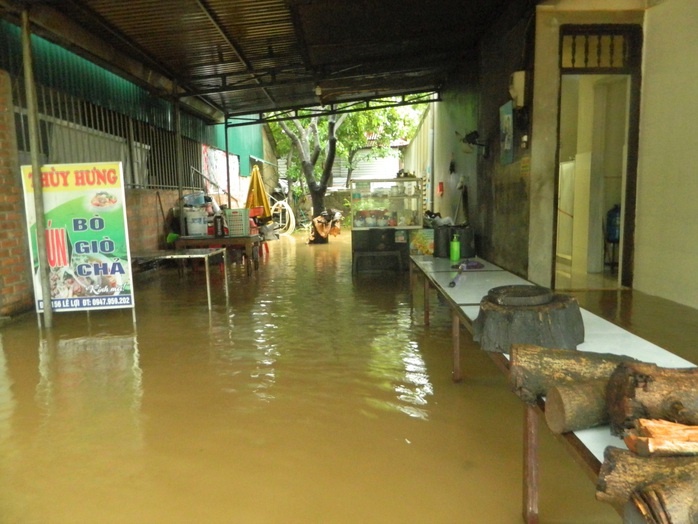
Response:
column 309, row 397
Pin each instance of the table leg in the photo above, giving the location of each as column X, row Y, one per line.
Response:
column 225, row 273
column 411, row 289
column 455, row 338
column 426, row 301
column 530, row 474
column 249, row 248
column 255, row 256
column 208, row 283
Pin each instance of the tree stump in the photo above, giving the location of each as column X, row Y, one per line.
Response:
column 527, row 315
column 638, row 390
column 534, row 369
column 624, row 474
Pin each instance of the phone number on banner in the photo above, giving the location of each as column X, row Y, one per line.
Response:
column 92, row 302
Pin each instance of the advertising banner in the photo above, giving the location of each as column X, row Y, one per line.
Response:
column 86, row 236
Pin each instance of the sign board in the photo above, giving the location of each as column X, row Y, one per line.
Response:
column 86, row 236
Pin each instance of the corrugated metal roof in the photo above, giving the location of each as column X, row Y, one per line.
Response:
column 253, row 56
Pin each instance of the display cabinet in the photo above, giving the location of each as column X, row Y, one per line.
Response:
column 383, row 212
column 387, row 203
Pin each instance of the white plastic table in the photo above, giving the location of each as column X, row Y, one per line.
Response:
column 190, row 254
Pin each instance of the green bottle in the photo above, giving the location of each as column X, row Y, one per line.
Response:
column 455, row 249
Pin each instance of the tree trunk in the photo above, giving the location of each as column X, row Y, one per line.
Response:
column 317, row 195
column 301, row 141
column 575, row 406
column 556, row 324
column 534, row 370
column 638, row 390
column 624, row 473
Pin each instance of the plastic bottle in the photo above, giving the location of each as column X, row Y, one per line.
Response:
column 218, row 227
column 455, row 249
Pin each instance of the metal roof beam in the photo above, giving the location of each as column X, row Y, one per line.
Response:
column 54, row 25
column 233, row 45
column 368, row 104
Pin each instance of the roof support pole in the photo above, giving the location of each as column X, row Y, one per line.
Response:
column 35, row 146
column 179, row 157
column 227, row 160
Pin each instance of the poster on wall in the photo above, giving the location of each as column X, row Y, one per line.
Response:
column 215, row 169
column 86, row 236
column 506, row 133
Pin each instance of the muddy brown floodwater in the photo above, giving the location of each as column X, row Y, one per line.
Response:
column 310, row 397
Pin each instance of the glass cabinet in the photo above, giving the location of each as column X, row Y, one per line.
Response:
column 386, row 203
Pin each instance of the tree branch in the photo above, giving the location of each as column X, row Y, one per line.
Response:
column 297, row 140
column 316, row 141
column 340, row 121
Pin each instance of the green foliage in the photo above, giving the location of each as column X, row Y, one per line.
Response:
column 359, row 130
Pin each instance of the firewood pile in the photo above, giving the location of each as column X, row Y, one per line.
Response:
column 653, row 409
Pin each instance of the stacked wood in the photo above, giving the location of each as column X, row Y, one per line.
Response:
column 638, row 390
column 534, row 369
column 657, row 489
column 655, row 481
column 556, row 324
column 661, row 437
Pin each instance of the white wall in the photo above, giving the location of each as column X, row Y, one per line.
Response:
column 383, row 167
column 417, row 157
column 666, row 237
column 457, row 112
column 436, row 145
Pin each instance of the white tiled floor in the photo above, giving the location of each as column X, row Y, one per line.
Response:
column 565, row 279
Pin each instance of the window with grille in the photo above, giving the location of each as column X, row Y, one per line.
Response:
column 595, row 48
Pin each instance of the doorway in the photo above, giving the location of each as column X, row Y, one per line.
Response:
column 592, row 169
column 600, row 67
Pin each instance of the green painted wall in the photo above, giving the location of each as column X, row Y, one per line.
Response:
column 244, row 141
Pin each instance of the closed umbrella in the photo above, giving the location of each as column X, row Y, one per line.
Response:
column 257, row 196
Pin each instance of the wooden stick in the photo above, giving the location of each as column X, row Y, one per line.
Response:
column 662, row 438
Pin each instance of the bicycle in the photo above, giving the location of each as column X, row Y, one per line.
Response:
column 282, row 215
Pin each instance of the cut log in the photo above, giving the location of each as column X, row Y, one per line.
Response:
column 672, row 501
column 575, row 406
column 555, row 324
column 534, row 369
column 638, row 390
column 624, row 473
column 661, row 437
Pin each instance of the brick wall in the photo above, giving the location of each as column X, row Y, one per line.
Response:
column 15, row 275
column 144, row 213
